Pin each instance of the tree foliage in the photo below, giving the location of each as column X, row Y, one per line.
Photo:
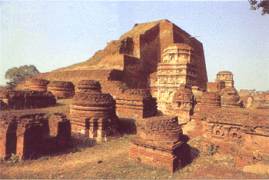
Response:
column 260, row 4
column 18, row 74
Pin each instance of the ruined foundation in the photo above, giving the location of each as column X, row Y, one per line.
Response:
column 29, row 135
column 136, row 103
column 30, row 99
column 182, row 106
column 158, row 143
column 36, row 84
column 226, row 77
column 61, row 89
column 230, row 97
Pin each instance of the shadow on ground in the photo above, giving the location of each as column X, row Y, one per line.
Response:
column 127, row 126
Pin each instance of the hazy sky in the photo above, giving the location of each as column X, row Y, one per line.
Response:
column 56, row 34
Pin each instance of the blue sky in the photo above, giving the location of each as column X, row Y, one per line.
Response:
column 54, row 34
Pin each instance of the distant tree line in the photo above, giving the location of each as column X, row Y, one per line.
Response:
column 260, row 4
column 17, row 74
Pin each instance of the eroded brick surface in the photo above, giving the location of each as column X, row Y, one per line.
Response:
column 61, row 89
column 92, row 112
column 29, row 135
column 158, row 143
column 136, row 103
column 29, row 99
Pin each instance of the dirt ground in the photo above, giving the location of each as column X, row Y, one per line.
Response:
column 110, row 160
column 86, row 159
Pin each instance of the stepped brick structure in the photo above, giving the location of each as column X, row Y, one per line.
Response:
column 61, row 89
column 158, row 143
column 215, row 86
column 183, row 103
column 230, row 97
column 30, row 134
column 176, row 68
column 36, row 84
column 30, row 99
column 210, row 99
column 134, row 57
column 92, row 112
column 88, row 86
column 136, row 103
column 226, row 77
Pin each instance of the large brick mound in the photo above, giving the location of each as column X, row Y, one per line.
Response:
column 133, row 58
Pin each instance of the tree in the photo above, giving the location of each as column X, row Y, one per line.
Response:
column 261, row 4
column 18, row 74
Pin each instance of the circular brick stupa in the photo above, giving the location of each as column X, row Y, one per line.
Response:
column 36, row 84
column 88, row 86
column 92, row 112
column 61, row 89
column 159, row 143
column 159, row 130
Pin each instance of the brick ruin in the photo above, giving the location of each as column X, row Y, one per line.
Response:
column 93, row 112
column 35, row 84
column 30, row 134
column 25, row 99
column 224, row 86
column 226, row 77
column 252, row 99
column 136, row 103
column 154, row 65
column 226, row 123
column 230, row 97
column 215, row 86
column 208, row 101
column 159, row 143
column 176, row 68
column 7, row 137
column 29, row 99
column 242, row 128
column 61, row 89
column 182, row 104
column 134, row 57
